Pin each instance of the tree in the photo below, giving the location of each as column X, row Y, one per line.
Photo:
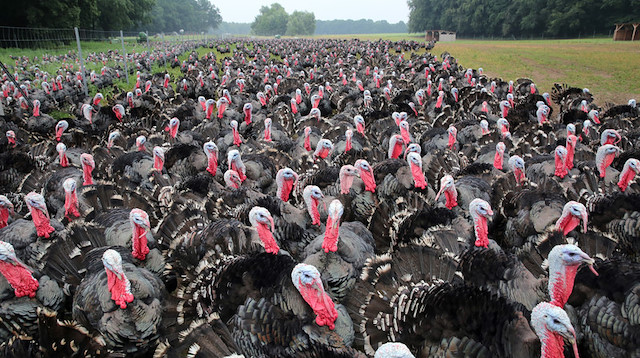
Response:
column 301, row 23
column 123, row 14
column 271, row 21
column 190, row 15
column 522, row 18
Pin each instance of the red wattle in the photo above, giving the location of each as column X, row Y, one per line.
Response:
column 267, row 135
column 418, row 177
column 157, row 163
column 247, row 117
column 59, row 134
column 64, row 161
column 482, row 232
column 331, row 233
column 568, row 223
column 360, row 128
column 236, row 138
column 320, row 302
column 270, row 245
column 397, row 150
column 19, row 278
column 606, row 162
column 213, row 165
column 519, row 174
column 287, row 186
column 315, row 214
column 439, row 102
column 71, row 205
column 307, row 143
column 406, row 137
column 347, row 146
column 497, row 160
column 452, row 200
column 563, row 286
column 139, row 240
column 4, row 217
column 369, row 181
column 553, row 346
column 41, row 222
column 561, row 168
column 119, row 291
column 452, row 141
column 625, row 178
column 221, row 111
column 324, row 152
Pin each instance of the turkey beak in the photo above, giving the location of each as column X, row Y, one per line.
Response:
column 585, row 218
column 273, row 226
column 442, row 187
column 589, row 261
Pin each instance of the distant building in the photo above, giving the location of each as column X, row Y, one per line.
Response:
column 627, row 32
column 440, row 35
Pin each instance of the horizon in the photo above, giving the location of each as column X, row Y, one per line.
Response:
column 376, row 10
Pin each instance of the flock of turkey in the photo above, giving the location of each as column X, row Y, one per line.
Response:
column 315, row 198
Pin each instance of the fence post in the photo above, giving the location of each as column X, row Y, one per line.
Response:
column 84, row 79
column 124, row 53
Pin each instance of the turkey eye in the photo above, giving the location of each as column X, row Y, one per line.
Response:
column 572, row 254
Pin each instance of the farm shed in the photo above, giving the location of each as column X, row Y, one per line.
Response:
column 627, row 32
column 440, row 35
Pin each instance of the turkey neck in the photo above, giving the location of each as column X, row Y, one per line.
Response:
column 139, row 241
column 418, row 176
column 284, row 189
column 481, row 230
column 41, row 222
column 561, row 280
column 86, row 175
column 212, row 164
column 552, row 346
column 264, row 232
column 20, row 278
column 452, row 198
column 71, row 204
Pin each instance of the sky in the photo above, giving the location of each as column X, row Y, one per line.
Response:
column 391, row 10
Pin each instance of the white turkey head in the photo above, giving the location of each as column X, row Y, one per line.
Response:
column 564, row 261
column 480, row 212
column 88, row 164
column 308, row 282
column 553, row 326
column 393, row 350
column 261, row 219
column 572, row 212
column 118, row 283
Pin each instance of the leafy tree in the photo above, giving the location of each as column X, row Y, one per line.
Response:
column 189, row 15
column 301, row 23
column 272, row 20
column 522, row 18
column 123, row 14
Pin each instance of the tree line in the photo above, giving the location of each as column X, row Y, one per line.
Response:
column 522, row 18
column 326, row 27
column 109, row 15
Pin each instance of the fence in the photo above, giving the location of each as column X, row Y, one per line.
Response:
column 84, row 51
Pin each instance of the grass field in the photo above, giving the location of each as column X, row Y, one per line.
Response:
column 609, row 69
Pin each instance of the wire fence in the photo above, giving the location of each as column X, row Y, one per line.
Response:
column 86, row 52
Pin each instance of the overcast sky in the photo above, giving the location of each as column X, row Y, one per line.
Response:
column 391, row 10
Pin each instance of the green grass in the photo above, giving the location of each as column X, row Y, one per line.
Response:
column 609, row 69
